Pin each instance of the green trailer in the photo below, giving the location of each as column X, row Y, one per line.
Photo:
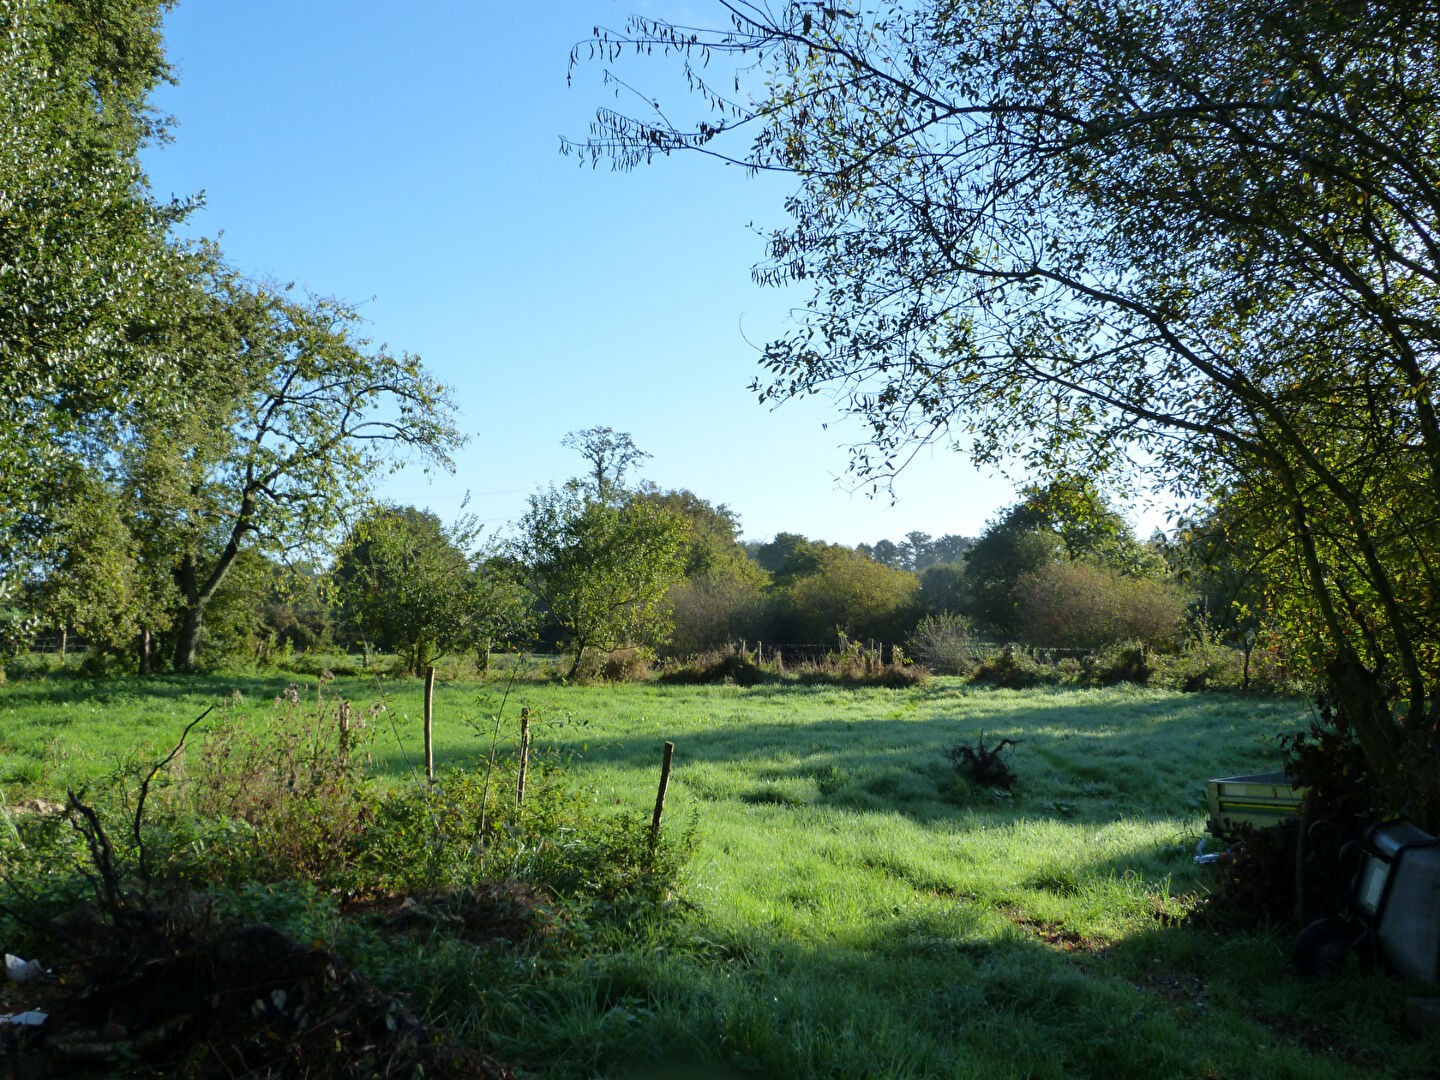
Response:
column 1257, row 801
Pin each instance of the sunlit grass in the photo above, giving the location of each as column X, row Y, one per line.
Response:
column 855, row 908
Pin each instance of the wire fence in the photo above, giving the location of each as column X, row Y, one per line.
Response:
column 52, row 642
column 978, row 649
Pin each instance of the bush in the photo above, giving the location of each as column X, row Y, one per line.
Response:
column 1085, row 606
column 635, row 664
column 855, row 665
column 715, row 608
column 847, row 590
column 1013, row 669
column 468, row 828
column 317, row 663
column 283, row 802
column 1201, row 666
column 732, row 664
column 1128, row 663
column 942, row 643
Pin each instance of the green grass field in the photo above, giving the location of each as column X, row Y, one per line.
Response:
column 853, row 908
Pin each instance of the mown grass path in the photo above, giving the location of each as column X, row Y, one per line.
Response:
column 854, row 907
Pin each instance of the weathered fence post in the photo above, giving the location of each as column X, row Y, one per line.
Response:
column 660, row 796
column 430, row 723
column 524, row 755
column 344, row 729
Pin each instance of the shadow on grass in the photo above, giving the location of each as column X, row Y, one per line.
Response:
column 75, row 687
column 952, row 992
column 1091, row 760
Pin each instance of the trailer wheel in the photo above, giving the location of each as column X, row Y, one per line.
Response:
column 1322, row 947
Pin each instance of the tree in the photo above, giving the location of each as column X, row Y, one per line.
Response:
column 1062, row 233
column 885, row 551
column 288, row 416
column 713, row 531
column 601, row 568
column 610, row 453
column 404, row 582
column 1064, row 520
column 721, row 597
column 296, row 613
column 88, row 578
column 848, row 593
column 497, row 609
column 1221, row 558
column 950, row 548
column 943, row 589
column 915, row 550
column 85, row 261
column 776, row 555
column 1082, row 605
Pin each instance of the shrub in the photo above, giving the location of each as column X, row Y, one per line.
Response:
column 720, row 606
column 855, row 665
column 846, row 590
column 1117, row 664
column 732, row 664
column 942, row 643
column 289, row 802
column 1328, row 761
column 1082, row 605
column 316, row 663
column 1014, row 669
column 635, row 664
column 283, row 802
column 1198, row 667
column 468, row 828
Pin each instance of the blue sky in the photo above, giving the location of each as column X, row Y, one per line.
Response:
column 405, row 158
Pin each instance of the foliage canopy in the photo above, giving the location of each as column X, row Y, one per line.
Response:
column 1198, row 235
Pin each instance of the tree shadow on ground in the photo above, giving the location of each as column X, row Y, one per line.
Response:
column 952, row 991
column 1088, row 761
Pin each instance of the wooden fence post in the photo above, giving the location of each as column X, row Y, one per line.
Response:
column 524, row 755
column 344, row 729
column 660, row 796
column 430, row 723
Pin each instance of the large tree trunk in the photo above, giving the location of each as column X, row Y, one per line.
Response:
column 198, row 593
column 187, row 637
column 1403, row 768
